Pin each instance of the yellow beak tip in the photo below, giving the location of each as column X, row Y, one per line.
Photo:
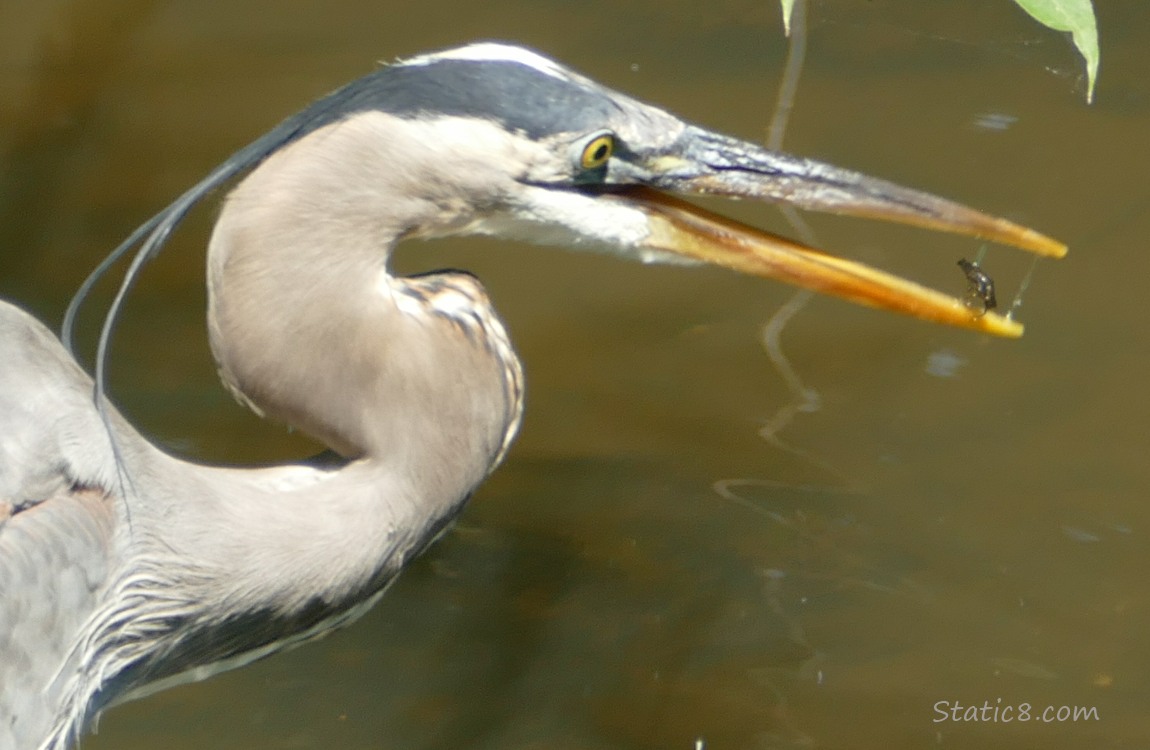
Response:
column 1000, row 325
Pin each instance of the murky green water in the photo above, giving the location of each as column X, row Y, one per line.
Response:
column 963, row 520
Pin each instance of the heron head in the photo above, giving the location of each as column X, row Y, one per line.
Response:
column 504, row 141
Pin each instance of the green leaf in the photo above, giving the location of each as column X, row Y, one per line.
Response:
column 1076, row 17
column 788, row 8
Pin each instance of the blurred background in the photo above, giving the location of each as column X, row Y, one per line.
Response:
column 963, row 520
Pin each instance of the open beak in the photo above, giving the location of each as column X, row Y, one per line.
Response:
column 706, row 163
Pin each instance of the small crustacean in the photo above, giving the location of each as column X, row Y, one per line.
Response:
column 980, row 289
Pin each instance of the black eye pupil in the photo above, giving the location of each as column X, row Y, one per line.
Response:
column 601, row 152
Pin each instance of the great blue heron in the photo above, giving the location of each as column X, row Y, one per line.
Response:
column 124, row 570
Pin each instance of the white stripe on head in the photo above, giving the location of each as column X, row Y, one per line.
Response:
column 493, row 52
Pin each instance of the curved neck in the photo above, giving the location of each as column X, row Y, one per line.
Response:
column 413, row 378
column 308, row 328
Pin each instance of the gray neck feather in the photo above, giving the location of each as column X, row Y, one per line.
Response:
column 309, row 329
column 413, row 380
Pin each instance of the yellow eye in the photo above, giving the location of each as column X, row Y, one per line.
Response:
column 597, row 151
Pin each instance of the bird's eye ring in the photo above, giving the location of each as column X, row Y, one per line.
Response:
column 597, row 150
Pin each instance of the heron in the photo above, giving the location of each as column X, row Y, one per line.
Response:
column 125, row 569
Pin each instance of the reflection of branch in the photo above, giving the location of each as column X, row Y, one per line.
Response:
column 803, row 398
column 796, row 55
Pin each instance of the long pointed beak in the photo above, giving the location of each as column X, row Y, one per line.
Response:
column 706, row 163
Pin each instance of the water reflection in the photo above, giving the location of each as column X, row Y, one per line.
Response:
column 600, row 593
